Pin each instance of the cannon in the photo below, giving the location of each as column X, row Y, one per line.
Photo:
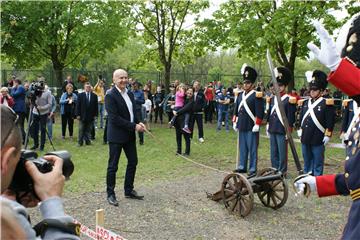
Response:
column 237, row 191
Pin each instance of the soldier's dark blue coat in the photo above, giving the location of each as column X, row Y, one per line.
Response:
column 325, row 113
column 347, row 183
column 347, row 114
column 275, row 125
column 256, row 105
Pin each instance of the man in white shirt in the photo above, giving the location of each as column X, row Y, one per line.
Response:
column 122, row 124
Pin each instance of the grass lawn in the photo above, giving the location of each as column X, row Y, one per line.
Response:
column 157, row 160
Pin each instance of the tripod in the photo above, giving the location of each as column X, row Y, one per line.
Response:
column 31, row 121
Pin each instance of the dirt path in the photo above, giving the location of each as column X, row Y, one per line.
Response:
column 180, row 210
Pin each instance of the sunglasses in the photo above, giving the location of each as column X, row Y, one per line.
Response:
column 13, row 118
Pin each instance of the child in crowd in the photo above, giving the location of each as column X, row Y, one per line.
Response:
column 179, row 103
column 147, row 107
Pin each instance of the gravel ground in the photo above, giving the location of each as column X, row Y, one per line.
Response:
column 179, row 209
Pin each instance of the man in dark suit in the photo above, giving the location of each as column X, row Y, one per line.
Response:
column 199, row 104
column 86, row 111
column 122, row 124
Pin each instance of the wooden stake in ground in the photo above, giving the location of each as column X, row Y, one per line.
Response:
column 100, row 217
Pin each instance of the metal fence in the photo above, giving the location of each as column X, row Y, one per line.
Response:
column 156, row 77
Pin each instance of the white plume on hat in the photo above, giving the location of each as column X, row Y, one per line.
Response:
column 309, row 75
column 243, row 68
column 276, row 72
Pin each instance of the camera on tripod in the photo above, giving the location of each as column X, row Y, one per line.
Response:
column 36, row 88
column 22, row 181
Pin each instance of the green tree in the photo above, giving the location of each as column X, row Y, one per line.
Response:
column 163, row 28
column 61, row 31
column 254, row 26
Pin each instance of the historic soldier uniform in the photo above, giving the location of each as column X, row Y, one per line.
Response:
column 248, row 114
column 351, row 111
column 317, row 119
column 345, row 76
column 275, row 126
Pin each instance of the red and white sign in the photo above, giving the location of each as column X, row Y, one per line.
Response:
column 100, row 233
column 87, row 231
column 105, row 234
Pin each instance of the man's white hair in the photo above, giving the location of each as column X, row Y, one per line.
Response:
column 118, row 72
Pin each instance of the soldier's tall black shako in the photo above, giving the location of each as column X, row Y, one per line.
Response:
column 248, row 114
column 275, row 126
column 317, row 119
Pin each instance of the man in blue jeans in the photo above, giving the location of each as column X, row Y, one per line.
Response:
column 51, row 118
column 40, row 114
column 223, row 100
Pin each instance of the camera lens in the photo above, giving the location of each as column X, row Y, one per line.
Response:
column 68, row 166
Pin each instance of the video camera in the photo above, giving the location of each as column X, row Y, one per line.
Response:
column 36, row 88
column 22, row 181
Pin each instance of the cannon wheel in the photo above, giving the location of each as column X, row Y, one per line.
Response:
column 275, row 193
column 237, row 193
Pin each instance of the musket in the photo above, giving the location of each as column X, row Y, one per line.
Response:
column 283, row 115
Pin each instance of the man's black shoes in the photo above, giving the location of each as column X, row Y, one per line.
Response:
column 239, row 171
column 112, row 201
column 134, row 195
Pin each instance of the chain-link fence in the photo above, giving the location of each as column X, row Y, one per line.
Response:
column 50, row 77
column 156, row 77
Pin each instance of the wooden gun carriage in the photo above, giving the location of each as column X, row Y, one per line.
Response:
column 237, row 191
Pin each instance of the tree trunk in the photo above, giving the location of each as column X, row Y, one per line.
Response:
column 59, row 76
column 58, row 69
column 292, row 82
column 167, row 77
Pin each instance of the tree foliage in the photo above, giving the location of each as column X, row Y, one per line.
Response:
column 254, row 26
column 61, row 31
column 163, row 28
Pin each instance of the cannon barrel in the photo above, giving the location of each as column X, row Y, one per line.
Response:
column 258, row 180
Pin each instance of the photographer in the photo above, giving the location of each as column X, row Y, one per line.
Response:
column 48, row 187
column 42, row 102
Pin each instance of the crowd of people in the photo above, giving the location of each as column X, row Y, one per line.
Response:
column 127, row 108
column 184, row 106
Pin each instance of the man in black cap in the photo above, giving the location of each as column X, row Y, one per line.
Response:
column 317, row 118
column 275, row 127
column 248, row 114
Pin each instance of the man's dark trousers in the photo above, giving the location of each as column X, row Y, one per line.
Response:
column 198, row 117
column 114, row 153
column 180, row 133
column 85, row 131
column 39, row 122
